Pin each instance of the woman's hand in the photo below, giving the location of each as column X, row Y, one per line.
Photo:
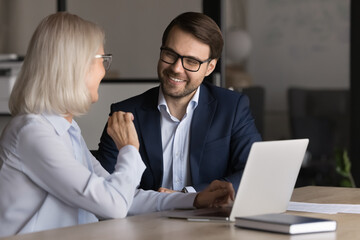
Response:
column 217, row 194
column 166, row 190
column 122, row 130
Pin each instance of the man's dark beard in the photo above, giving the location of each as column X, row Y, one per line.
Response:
column 184, row 94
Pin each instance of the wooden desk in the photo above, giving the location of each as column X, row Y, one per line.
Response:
column 154, row 226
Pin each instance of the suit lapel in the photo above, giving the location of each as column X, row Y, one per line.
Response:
column 151, row 135
column 200, row 125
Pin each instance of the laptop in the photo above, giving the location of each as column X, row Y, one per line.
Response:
column 266, row 186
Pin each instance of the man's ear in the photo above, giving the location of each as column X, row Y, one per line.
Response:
column 211, row 66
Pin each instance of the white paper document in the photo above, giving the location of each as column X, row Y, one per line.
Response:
column 324, row 208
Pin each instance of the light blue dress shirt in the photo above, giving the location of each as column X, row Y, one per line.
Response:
column 49, row 179
column 175, row 136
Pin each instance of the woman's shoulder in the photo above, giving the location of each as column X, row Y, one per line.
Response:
column 29, row 121
column 24, row 126
column 25, row 122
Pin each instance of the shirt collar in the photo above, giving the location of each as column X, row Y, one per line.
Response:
column 60, row 124
column 193, row 102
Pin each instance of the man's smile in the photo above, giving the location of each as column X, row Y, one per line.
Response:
column 176, row 79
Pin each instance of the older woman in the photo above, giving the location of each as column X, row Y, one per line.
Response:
column 49, row 178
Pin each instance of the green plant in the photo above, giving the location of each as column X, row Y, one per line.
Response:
column 343, row 168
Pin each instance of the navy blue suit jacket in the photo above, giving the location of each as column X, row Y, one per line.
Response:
column 222, row 132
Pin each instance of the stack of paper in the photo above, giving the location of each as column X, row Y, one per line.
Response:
column 324, row 208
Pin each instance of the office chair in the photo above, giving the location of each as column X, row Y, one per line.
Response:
column 323, row 116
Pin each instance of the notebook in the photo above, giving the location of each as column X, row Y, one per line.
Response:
column 266, row 185
column 285, row 223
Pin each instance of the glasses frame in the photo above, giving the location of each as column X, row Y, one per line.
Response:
column 182, row 59
column 106, row 57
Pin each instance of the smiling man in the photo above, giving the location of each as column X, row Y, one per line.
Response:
column 190, row 132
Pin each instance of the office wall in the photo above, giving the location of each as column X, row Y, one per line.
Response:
column 297, row 43
column 133, row 28
column 302, row 43
column 20, row 20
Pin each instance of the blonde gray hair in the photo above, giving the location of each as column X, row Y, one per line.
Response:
column 52, row 78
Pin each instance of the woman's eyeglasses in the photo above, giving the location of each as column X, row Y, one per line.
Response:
column 107, row 59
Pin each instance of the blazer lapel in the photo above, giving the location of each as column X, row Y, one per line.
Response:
column 200, row 125
column 151, row 135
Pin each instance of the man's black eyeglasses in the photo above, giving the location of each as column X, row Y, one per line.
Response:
column 189, row 63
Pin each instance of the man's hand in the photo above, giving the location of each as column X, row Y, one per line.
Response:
column 122, row 130
column 217, row 194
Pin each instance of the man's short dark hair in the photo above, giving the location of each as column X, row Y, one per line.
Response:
column 202, row 27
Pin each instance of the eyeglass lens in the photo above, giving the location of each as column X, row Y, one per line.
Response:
column 107, row 59
column 189, row 64
column 106, row 63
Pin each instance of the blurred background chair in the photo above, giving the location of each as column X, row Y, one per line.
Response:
column 323, row 116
